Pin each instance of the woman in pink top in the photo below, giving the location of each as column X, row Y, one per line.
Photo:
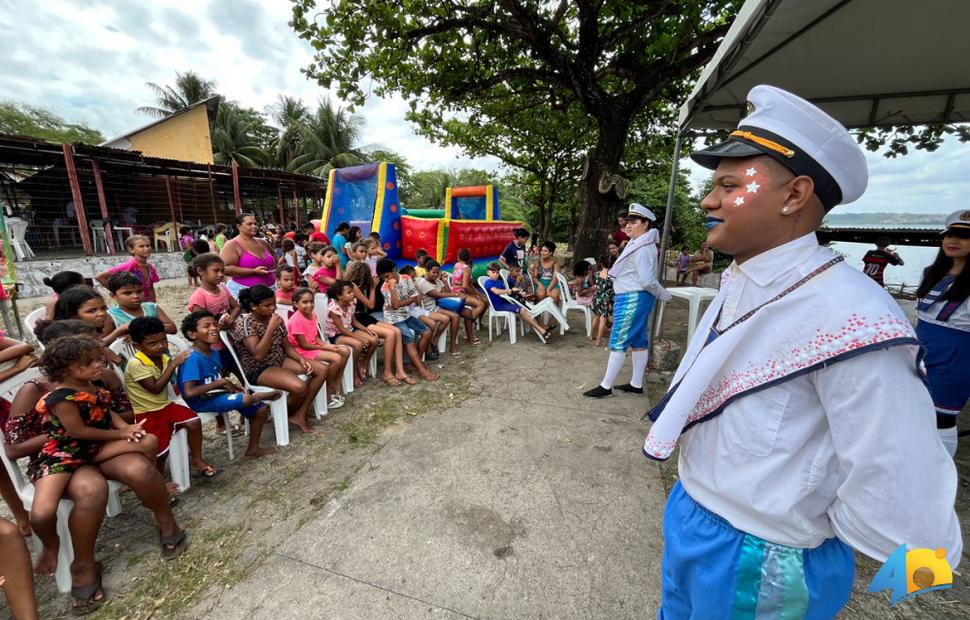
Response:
column 303, row 332
column 249, row 259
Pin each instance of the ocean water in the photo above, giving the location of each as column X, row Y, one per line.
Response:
column 916, row 259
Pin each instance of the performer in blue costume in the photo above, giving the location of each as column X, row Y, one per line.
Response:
column 944, row 326
column 805, row 425
column 634, row 276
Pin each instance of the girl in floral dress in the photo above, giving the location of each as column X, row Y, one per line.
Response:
column 602, row 299
column 81, row 430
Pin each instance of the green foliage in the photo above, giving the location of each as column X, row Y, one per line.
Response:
column 897, row 140
column 189, row 88
column 536, row 84
column 402, row 169
column 289, row 113
column 26, row 120
column 328, row 139
column 234, row 138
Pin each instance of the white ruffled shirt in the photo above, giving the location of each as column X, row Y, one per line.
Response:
column 636, row 268
column 850, row 450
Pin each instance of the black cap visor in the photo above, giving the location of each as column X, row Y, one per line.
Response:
column 710, row 158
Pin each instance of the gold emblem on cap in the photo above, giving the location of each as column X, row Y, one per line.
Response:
column 750, row 107
column 768, row 144
column 965, row 216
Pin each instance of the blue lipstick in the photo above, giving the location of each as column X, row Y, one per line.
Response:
column 712, row 222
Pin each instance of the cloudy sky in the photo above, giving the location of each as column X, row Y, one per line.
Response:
column 89, row 61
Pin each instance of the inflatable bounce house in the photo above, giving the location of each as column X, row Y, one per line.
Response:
column 366, row 196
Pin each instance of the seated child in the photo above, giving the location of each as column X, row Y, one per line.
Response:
column 289, row 256
column 436, row 294
column 519, row 279
column 374, row 253
column 286, row 285
column 204, row 389
column 581, row 286
column 419, row 259
column 327, row 272
column 125, row 290
column 494, row 287
column 359, row 251
column 462, row 282
column 86, row 304
column 399, row 296
column 316, row 259
column 147, row 378
column 198, row 247
column 303, row 332
column 343, row 328
column 212, row 295
column 428, row 312
column 81, row 430
column 60, row 282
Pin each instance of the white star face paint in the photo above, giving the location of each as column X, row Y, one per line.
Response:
column 749, row 172
column 739, row 201
column 753, row 187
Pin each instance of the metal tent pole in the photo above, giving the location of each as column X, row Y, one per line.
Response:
column 665, row 238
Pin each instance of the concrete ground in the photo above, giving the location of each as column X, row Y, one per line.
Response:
column 497, row 492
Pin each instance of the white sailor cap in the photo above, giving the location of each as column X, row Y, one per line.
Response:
column 801, row 137
column 958, row 219
column 641, row 211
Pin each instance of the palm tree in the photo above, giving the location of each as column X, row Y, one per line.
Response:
column 189, row 88
column 289, row 113
column 232, row 139
column 327, row 140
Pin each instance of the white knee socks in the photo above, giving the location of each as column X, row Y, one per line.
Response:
column 613, row 368
column 949, row 438
column 639, row 367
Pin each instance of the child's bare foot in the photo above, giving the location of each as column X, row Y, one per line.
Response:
column 46, row 561
column 262, row 396
column 407, row 379
column 392, row 381
column 357, row 381
column 300, row 423
column 427, row 375
column 258, row 452
column 172, row 488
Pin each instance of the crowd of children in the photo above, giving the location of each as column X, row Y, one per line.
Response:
column 114, row 387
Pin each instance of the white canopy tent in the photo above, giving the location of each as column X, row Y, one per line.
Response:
column 866, row 62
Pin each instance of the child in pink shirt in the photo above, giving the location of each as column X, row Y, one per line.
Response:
column 328, row 273
column 303, row 332
column 140, row 248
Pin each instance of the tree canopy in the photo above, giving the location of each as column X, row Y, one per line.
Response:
column 189, row 88
column 516, row 76
column 26, row 120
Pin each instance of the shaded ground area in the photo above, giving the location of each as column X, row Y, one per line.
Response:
column 497, row 492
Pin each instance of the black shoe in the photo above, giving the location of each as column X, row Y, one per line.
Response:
column 626, row 387
column 598, row 392
column 432, row 353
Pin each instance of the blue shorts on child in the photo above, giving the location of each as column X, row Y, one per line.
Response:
column 411, row 329
column 205, row 369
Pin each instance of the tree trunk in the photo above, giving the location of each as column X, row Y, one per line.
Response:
column 599, row 211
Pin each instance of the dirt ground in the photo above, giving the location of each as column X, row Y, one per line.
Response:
column 238, row 521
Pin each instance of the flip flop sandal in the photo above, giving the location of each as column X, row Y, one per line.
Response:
column 393, row 381
column 477, row 342
column 208, row 473
column 173, row 546
column 83, row 601
column 237, row 431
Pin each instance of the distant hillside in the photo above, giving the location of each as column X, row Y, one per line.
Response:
column 895, row 220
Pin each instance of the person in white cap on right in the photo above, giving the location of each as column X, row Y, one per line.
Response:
column 944, row 325
column 634, row 276
column 807, row 429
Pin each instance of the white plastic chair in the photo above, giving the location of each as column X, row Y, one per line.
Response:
column 570, row 303
column 17, row 227
column 320, row 302
column 277, row 407
column 505, row 276
column 30, row 323
column 97, row 235
column 495, row 315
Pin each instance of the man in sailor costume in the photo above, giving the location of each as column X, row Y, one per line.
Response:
column 634, row 276
column 805, row 424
